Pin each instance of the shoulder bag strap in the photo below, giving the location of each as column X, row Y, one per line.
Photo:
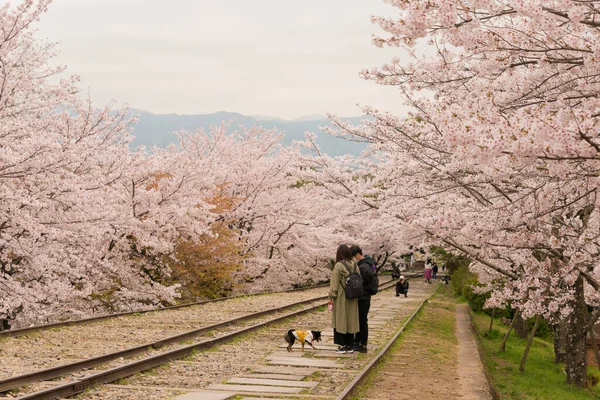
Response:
column 348, row 268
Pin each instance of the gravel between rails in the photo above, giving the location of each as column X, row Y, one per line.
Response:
column 58, row 346
column 38, row 386
column 243, row 356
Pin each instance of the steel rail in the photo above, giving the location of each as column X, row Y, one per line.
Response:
column 71, row 322
column 124, row 371
column 54, row 372
column 348, row 392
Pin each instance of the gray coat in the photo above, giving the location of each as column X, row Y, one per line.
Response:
column 344, row 316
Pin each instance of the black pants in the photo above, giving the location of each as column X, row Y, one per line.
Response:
column 362, row 336
column 343, row 339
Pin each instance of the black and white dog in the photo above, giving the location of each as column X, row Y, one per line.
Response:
column 303, row 337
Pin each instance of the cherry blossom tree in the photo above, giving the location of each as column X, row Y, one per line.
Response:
column 89, row 226
column 499, row 156
column 78, row 210
column 285, row 223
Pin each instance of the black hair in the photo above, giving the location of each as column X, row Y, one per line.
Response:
column 354, row 250
column 343, row 253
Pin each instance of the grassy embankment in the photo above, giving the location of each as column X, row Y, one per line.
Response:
column 541, row 379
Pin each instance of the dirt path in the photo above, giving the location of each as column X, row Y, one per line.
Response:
column 435, row 358
column 473, row 383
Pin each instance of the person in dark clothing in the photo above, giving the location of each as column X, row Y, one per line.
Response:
column 365, row 265
column 402, row 287
column 395, row 270
column 435, row 270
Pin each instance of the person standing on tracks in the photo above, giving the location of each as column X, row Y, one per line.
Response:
column 428, row 271
column 344, row 317
column 365, row 265
column 395, row 270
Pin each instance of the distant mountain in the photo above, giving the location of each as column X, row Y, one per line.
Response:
column 158, row 129
column 311, row 118
column 266, row 118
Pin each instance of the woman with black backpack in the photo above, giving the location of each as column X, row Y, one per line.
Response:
column 344, row 316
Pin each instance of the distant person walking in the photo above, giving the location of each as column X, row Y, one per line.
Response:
column 395, row 270
column 427, row 273
column 365, row 265
column 344, row 317
column 402, row 287
column 434, row 269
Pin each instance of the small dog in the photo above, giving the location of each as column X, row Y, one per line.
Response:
column 303, row 337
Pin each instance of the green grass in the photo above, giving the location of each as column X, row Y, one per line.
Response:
column 191, row 356
column 541, row 379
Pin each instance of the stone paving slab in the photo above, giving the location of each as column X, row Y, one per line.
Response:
column 253, row 388
column 262, row 398
column 272, row 382
column 332, row 354
column 288, row 377
column 205, row 395
column 397, row 304
column 279, row 354
column 269, row 369
column 318, row 345
column 326, row 354
column 307, row 362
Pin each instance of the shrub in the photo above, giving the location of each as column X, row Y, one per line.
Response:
column 543, row 330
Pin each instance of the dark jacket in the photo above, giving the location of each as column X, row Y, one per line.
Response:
column 366, row 271
column 402, row 286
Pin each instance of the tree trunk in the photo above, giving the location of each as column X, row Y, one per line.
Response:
column 521, row 327
column 4, row 325
column 491, row 322
column 576, row 367
column 510, row 328
column 592, row 337
column 560, row 342
column 529, row 341
column 595, row 347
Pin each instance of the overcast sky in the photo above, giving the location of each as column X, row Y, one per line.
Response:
column 279, row 58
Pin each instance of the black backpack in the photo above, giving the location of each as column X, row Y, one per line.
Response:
column 354, row 283
column 373, row 286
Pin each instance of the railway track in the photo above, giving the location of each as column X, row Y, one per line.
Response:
column 201, row 366
column 82, row 321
